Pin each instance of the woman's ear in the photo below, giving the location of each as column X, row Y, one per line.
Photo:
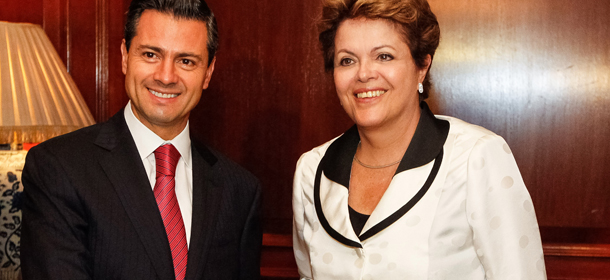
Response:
column 424, row 70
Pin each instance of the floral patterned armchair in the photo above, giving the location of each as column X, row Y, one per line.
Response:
column 11, row 165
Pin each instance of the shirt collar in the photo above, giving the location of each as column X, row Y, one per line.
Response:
column 427, row 142
column 147, row 141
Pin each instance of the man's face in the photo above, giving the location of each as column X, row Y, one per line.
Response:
column 166, row 70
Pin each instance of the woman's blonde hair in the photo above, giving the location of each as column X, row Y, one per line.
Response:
column 413, row 18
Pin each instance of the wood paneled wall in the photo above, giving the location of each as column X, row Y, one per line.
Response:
column 535, row 72
column 269, row 100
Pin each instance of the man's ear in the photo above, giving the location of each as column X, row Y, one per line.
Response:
column 208, row 73
column 124, row 56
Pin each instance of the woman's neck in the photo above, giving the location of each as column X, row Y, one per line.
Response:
column 380, row 145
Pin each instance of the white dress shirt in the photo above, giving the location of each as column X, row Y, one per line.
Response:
column 147, row 142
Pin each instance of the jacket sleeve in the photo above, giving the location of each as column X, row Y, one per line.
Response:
column 300, row 247
column 251, row 240
column 53, row 241
column 501, row 214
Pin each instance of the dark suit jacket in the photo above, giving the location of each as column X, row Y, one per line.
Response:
column 90, row 213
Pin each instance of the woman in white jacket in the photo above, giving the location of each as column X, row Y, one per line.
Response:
column 405, row 194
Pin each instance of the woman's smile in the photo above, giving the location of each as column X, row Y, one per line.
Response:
column 369, row 93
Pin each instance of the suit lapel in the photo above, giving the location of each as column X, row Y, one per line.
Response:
column 207, row 194
column 124, row 169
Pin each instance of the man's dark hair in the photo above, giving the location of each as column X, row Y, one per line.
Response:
column 181, row 9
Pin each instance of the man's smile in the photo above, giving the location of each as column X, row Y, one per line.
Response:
column 163, row 95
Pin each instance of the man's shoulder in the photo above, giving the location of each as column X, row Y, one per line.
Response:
column 224, row 167
column 71, row 142
column 82, row 141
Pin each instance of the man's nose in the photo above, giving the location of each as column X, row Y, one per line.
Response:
column 166, row 72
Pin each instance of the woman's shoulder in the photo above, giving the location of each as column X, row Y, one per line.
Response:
column 312, row 157
column 307, row 166
column 462, row 128
column 469, row 136
column 458, row 126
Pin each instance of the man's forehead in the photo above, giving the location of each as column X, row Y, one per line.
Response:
column 167, row 32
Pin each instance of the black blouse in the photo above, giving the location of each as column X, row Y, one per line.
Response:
column 358, row 220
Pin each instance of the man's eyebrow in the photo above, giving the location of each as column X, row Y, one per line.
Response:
column 188, row 54
column 152, row 48
column 161, row 51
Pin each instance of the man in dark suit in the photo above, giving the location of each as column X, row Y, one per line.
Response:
column 134, row 198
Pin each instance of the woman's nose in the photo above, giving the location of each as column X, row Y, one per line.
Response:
column 366, row 71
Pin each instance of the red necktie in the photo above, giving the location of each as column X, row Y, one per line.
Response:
column 167, row 158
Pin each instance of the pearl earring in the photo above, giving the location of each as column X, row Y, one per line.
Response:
column 420, row 88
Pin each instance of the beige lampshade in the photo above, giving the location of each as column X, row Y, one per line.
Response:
column 38, row 98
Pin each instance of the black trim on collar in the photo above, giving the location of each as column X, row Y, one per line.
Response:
column 337, row 161
column 323, row 221
column 426, row 145
column 428, row 140
column 405, row 208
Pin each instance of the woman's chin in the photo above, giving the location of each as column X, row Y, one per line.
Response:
column 369, row 122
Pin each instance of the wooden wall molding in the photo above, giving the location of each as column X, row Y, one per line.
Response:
column 563, row 260
column 101, row 60
column 277, row 260
column 577, row 250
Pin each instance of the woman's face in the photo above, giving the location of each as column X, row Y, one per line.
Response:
column 375, row 76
